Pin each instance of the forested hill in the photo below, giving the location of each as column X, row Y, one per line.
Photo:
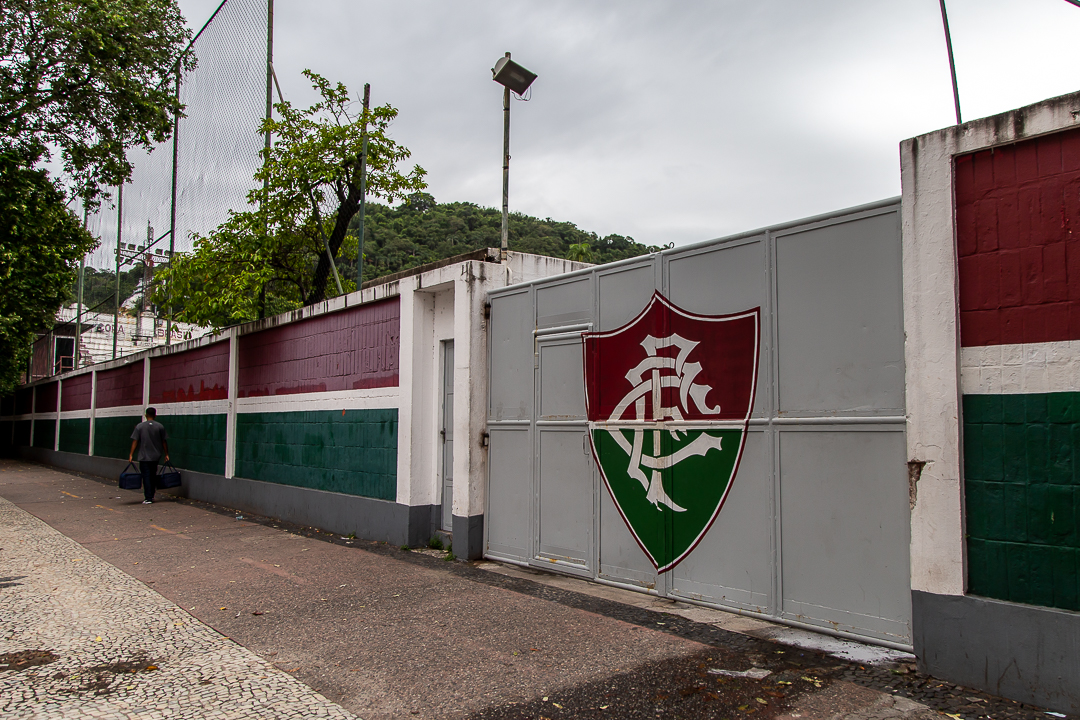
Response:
column 421, row 231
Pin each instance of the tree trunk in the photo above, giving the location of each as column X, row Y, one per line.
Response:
column 345, row 213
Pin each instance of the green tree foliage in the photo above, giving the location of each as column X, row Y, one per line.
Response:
column 41, row 243
column 420, row 231
column 273, row 257
column 86, row 79
column 99, row 288
column 89, row 78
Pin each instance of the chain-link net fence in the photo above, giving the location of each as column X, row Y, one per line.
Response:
column 216, row 147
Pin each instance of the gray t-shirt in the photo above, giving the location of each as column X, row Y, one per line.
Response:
column 151, row 436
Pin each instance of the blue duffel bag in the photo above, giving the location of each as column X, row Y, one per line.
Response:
column 130, row 480
column 169, row 477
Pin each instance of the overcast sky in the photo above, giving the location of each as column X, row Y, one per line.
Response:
column 675, row 121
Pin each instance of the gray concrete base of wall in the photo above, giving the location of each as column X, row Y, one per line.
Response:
column 468, row 537
column 368, row 518
column 1021, row 652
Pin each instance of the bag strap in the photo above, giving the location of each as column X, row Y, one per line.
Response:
column 131, row 464
column 168, row 464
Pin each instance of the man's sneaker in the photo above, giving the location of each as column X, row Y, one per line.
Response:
column 147, row 502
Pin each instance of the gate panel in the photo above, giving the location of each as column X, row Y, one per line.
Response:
column 508, row 518
column 814, row 529
column 621, row 559
column 566, row 498
column 845, row 561
column 564, row 303
column 839, row 319
column 510, row 412
column 623, row 293
column 733, row 564
column 728, row 278
column 511, row 367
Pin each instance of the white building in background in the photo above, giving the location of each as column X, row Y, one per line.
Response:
column 54, row 352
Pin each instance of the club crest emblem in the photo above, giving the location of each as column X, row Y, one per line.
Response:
column 669, row 397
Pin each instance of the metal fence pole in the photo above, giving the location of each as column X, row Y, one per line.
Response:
column 506, row 174
column 119, row 245
column 267, row 142
column 952, row 63
column 172, row 207
column 363, row 193
column 78, row 307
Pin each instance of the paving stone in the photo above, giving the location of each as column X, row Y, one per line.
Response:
column 122, row 650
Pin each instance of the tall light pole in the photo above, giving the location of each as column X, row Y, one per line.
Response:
column 512, row 77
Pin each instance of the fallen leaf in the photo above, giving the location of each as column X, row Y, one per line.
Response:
column 97, row 639
column 151, row 667
column 224, row 608
column 557, row 705
column 257, row 612
column 604, row 707
column 763, row 701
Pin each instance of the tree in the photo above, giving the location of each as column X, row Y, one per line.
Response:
column 276, row 256
column 41, row 243
column 581, row 252
column 89, row 78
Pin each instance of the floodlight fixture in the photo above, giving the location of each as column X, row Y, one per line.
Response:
column 513, row 78
column 511, row 75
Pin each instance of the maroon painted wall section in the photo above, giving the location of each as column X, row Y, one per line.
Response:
column 24, row 401
column 76, row 393
column 120, row 386
column 199, row 374
column 46, row 397
column 348, row 350
column 1018, row 239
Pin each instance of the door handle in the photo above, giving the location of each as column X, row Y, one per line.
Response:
column 443, row 433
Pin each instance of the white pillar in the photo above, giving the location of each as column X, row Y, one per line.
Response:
column 230, row 417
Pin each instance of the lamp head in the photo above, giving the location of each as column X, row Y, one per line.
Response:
column 511, row 75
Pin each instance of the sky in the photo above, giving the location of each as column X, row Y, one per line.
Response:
column 675, row 122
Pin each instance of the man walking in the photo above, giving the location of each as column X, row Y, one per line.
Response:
column 152, row 442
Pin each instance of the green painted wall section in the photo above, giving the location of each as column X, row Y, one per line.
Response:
column 75, row 436
column 112, row 435
column 196, row 442
column 22, row 432
column 1022, row 497
column 354, row 452
column 45, row 433
column 7, row 430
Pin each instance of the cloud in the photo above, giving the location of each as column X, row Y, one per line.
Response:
column 674, row 122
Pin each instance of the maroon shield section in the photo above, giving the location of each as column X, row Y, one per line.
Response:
column 722, row 347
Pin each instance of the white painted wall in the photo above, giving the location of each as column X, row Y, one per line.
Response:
column 931, row 325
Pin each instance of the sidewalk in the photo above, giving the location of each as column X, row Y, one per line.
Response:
column 381, row 632
column 104, row 645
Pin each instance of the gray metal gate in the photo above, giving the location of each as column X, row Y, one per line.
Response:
column 815, row 529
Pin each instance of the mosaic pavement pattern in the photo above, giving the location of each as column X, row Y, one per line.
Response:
column 81, row 639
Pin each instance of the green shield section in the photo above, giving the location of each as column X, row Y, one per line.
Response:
column 697, row 483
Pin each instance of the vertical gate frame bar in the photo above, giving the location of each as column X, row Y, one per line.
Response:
column 776, row 601
column 662, row 283
column 594, row 471
column 534, row 442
